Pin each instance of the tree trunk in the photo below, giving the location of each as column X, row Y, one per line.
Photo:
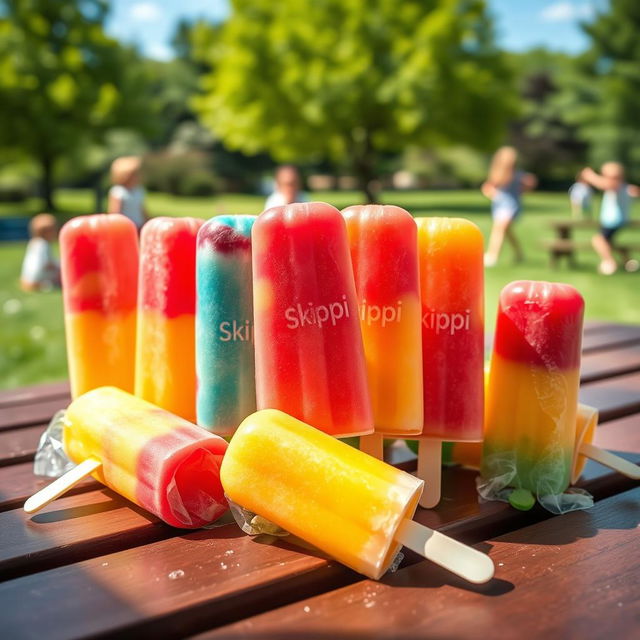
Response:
column 46, row 164
column 364, row 163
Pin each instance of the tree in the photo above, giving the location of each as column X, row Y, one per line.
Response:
column 63, row 82
column 602, row 94
column 308, row 79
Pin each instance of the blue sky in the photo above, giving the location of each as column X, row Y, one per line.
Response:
column 520, row 24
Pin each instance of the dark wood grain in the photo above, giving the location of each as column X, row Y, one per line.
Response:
column 35, row 393
column 73, row 528
column 574, row 576
column 608, row 336
column 24, row 415
column 17, row 483
column 598, row 365
column 19, row 445
column 614, row 397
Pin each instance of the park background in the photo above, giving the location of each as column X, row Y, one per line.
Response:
column 400, row 102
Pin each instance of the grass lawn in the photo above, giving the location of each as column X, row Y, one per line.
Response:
column 31, row 325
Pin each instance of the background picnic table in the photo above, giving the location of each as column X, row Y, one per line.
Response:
column 91, row 564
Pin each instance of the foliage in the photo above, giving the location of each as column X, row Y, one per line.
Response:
column 63, row 81
column 306, row 79
column 186, row 174
column 602, row 96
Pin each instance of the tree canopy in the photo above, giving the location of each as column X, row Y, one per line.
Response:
column 348, row 79
column 63, row 81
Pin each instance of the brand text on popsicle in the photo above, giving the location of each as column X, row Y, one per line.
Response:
column 299, row 315
column 373, row 313
column 234, row 331
column 446, row 322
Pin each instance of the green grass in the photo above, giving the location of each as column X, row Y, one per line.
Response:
column 31, row 325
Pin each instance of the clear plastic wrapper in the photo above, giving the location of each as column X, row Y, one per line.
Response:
column 51, row 460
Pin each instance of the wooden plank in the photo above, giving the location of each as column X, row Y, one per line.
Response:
column 17, row 416
column 17, row 483
column 598, row 365
column 614, row 397
column 227, row 575
column 73, row 528
column 35, row 393
column 607, row 337
column 574, row 576
column 19, row 445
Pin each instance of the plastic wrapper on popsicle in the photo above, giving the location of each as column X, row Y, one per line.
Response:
column 99, row 261
column 159, row 461
column 532, row 396
column 309, row 356
column 346, row 503
column 224, row 324
column 165, row 343
column 384, row 255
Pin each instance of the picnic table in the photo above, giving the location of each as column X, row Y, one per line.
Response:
column 92, row 564
column 565, row 246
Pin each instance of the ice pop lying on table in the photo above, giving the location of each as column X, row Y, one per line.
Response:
column 99, row 259
column 452, row 294
column 157, row 460
column 224, row 324
column 165, row 347
column 346, row 503
column 308, row 346
column 384, row 255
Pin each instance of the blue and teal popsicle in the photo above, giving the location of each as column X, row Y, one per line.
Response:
column 224, row 324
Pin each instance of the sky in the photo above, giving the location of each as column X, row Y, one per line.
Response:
column 520, row 24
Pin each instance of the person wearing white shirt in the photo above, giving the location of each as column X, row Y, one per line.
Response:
column 40, row 269
column 287, row 189
column 126, row 196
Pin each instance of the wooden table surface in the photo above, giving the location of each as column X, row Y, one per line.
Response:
column 91, row 564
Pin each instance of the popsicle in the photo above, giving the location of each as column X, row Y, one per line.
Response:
column 308, row 346
column 452, row 293
column 165, row 350
column 350, row 505
column 224, row 324
column 384, row 255
column 533, row 387
column 99, row 255
column 157, row 460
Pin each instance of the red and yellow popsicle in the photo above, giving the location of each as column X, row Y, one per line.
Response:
column 165, row 355
column 100, row 282
column 384, row 255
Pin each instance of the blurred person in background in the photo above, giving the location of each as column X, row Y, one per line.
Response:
column 40, row 269
column 580, row 196
column 288, row 187
column 504, row 187
column 126, row 196
column 614, row 211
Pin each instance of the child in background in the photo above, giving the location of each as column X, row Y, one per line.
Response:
column 126, row 196
column 504, row 188
column 288, row 188
column 580, row 196
column 40, row 270
column 614, row 210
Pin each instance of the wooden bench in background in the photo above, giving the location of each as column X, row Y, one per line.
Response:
column 565, row 246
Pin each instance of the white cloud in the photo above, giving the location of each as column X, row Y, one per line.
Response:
column 159, row 51
column 145, row 12
column 566, row 12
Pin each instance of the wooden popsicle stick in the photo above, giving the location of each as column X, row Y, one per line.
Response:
column 610, row 460
column 430, row 470
column 464, row 561
column 373, row 444
column 41, row 499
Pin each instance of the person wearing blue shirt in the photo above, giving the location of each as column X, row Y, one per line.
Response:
column 614, row 210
